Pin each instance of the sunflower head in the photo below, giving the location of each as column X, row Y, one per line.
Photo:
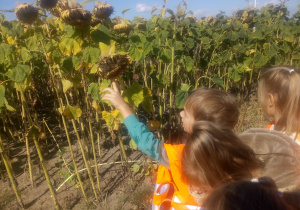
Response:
column 112, row 66
column 103, row 11
column 48, row 4
column 122, row 27
column 76, row 17
column 26, row 13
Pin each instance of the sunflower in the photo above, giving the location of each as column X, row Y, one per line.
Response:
column 26, row 13
column 112, row 66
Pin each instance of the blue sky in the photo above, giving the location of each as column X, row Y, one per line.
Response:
column 143, row 8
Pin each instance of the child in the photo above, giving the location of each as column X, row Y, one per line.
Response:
column 214, row 156
column 279, row 94
column 203, row 104
column 255, row 194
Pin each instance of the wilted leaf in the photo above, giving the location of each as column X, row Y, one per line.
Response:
column 94, row 91
column 72, row 112
column 94, row 69
column 66, row 85
column 19, row 73
column 96, row 106
column 125, row 10
column 8, row 107
column 132, row 145
column 153, row 125
column 147, row 102
column 69, row 46
column 117, row 115
column 135, row 168
column 134, row 95
column 111, row 119
column 107, row 50
column 35, row 133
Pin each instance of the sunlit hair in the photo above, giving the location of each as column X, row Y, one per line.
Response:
column 284, row 85
column 214, row 155
column 248, row 195
column 213, row 105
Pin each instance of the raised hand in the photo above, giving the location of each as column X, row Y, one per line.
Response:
column 117, row 100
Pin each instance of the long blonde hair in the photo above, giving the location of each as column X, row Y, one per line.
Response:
column 283, row 82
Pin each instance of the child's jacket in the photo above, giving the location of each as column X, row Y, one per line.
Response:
column 171, row 191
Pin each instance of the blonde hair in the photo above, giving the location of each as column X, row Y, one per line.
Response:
column 283, row 82
column 214, row 155
column 213, row 105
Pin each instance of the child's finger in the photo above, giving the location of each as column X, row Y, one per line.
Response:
column 115, row 86
column 107, row 89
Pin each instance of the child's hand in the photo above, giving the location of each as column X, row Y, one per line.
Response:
column 117, row 100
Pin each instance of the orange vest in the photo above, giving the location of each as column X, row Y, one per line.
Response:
column 270, row 125
column 171, row 191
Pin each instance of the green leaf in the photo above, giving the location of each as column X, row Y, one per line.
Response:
column 147, row 102
column 180, row 98
column 132, row 145
column 234, row 74
column 72, row 112
column 165, row 55
column 94, row 91
column 66, row 85
column 19, row 74
column 136, row 53
column 101, row 34
column 104, row 84
column 76, row 61
column 32, row 43
column 189, row 43
column 61, row 152
column 134, row 95
column 112, row 119
column 262, row 60
column 188, row 63
column 218, row 81
column 125, row 10
column 35, row 133
column 135, row 168
column 5, row 50
column 163, row 79
column 25, row 55
column 2, row 96
column 91, row 55
column 94, row 69
column 185, row 87
column 69, row 46
column 67, row 64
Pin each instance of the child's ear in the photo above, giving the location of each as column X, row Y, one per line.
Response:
column 271, row 100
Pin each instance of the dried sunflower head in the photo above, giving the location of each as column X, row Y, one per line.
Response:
column 112, row 66
column 26, row 13
column 192, row 19
column 103, row 11
column 76, row 17
column 48, row 4
column 122, row 28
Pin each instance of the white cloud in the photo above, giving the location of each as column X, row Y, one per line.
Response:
column 203, row 13
column 143, row 8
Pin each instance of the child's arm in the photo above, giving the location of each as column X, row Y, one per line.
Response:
column 137, row 130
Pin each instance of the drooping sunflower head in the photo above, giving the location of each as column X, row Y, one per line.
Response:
column 103, row 11
column 122, row 27
column 26, row 13
column 47, row 4
column 112, row 66
column 76, row 17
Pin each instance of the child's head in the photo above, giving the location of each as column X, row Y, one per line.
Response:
column 212, row 105
column 214, row 155
column 245, row 194
column 279, row 94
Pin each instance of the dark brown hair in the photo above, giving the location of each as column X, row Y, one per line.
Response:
column 283, row 82
column 214, row 155
column 213, row 105
column 247, row 195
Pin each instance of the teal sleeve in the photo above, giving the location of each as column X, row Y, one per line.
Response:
column 145, row 140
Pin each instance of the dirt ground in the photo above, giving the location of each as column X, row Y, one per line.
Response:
column 121, row 189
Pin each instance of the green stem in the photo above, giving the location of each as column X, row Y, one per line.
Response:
column 46, row 174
